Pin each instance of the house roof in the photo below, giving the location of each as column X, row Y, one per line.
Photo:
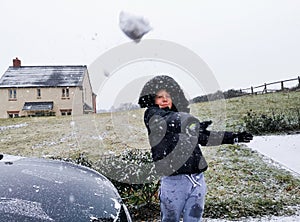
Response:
column 43, row 76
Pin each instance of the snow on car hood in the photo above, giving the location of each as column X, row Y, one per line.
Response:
column 53, row 190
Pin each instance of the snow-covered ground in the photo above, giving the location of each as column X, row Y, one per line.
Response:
column 284, row 149
column 2, row 128
column 295, row 218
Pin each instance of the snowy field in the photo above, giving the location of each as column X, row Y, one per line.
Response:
column 284, row 149
column 295, row 218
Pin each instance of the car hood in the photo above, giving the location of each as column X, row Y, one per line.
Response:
column 51, row 190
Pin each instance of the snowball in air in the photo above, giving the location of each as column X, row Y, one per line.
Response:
column 135, row 27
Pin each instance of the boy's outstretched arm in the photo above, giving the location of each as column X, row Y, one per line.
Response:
column 214, row 138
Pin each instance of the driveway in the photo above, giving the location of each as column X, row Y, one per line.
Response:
column 284, row 149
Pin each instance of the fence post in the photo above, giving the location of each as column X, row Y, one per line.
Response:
column 282, row 87
column 252, row 90
column 299, row 80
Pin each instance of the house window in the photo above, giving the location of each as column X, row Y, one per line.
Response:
column 12, row 94
column 65, row 93
column 66, row 112
column 38, row 93
column 13, row 114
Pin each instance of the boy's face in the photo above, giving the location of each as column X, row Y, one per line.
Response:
column 163, row 99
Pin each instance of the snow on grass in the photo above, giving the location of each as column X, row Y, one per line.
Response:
column 2, row 128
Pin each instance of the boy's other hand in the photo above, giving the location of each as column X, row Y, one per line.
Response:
column 244, row 137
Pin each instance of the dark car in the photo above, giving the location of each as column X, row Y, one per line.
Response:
column 37, row 189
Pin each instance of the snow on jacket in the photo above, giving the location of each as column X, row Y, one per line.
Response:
column 174, row 150
column 174, row 145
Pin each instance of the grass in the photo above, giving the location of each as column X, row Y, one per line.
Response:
column 241, row 183
column 230, row 113
column 94, row 135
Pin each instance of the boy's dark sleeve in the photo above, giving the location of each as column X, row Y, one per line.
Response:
column 214, row 138
column 220, row 137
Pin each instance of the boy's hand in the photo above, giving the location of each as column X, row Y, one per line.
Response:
column 243, row 137
column 205, row 124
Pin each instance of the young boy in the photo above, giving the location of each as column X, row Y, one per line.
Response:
column 174, row 137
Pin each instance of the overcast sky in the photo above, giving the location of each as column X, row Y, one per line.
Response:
column 244, row 42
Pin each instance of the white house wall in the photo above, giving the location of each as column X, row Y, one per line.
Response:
column 74, row 102
column 87, row 91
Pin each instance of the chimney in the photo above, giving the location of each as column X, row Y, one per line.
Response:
column 16, row 62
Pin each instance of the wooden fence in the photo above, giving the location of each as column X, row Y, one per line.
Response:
column 265, row 88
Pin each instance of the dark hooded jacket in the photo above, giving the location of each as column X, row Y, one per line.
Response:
column 174, row 134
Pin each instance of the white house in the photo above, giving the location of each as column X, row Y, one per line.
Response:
column 46, row 90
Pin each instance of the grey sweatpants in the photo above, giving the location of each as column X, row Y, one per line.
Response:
column 182, row 195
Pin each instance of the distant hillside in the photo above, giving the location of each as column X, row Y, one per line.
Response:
column 218, row 95
column 278, row 86
column 270, row 109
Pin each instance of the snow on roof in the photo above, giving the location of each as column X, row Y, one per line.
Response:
column 43, row 76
